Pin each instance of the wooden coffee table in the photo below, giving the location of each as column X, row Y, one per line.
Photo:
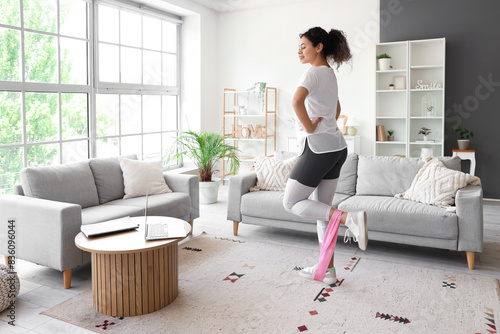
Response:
column 132, row 276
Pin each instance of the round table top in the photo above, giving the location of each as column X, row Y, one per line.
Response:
column 129, row 241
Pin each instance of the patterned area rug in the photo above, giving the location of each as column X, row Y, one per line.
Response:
column 228, row 286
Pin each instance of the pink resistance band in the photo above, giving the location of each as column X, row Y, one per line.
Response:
column 328, row 245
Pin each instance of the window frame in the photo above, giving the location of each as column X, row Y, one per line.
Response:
column 93, row 86
column 103, row 87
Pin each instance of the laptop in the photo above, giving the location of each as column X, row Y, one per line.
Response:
column 109, row 227
column 160, row 229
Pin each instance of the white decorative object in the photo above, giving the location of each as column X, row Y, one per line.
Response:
column 272, row 174
column 140, row 177
column 436, row 184
column 426, row 152
column 428, row 105
column 432, row 85
column 351, row 124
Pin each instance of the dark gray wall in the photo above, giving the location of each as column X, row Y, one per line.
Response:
column 472, row 31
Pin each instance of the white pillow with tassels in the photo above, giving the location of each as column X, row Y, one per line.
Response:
column 272, row 173
column 435, row 184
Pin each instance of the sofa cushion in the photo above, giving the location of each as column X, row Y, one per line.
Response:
column 272, row 174
column 348, row 176
column 173, row 204
column 70, row 183
column 108, row 177
column 268, row 204
column 385, row 176
column 437, row 185
column 391, row 215
column 388, row 176
column 141, row 177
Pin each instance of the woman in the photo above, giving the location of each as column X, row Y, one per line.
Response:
column 323, row 149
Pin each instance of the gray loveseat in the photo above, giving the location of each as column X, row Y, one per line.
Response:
column 54, row 201
column 369, row 183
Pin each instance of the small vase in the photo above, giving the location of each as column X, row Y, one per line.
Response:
column 463, row 144
column 390, row 138
column 426, row 138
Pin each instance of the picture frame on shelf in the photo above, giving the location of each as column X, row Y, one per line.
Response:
column 399, row 82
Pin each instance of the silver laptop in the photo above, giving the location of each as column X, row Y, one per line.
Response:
column 109, row 227
column 154, row 231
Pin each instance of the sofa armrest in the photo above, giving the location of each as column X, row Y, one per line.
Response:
column 44, row 230
column 189, row 184
column 469, row 203
column 238, row 186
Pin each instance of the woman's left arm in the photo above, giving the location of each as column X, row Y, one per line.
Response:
column 338, row 109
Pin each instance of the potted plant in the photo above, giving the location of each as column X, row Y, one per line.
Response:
column 390, row 135
column 391, row 86
column 206, row 149
column 424, row 131
column 465, row 135
column 384, row 62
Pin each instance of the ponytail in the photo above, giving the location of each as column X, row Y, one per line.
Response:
column 335, row 46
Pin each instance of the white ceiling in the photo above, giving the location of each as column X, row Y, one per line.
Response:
column 234, row 5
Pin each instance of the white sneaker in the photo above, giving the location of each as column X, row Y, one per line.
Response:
column 356, row 226
column 309, row 272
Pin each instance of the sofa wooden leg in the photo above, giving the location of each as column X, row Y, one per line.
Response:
column 235, row 227
column 470, row 259
column 191, row 223
column 67, row 278
column 6, row 260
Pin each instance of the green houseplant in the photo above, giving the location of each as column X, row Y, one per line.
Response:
column 206, row 149
column 390, row 135
column 465, row 136
column 384, row 62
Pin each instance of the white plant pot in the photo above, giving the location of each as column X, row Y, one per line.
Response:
column 384, row 64
column 463, row 144
column 209, row 192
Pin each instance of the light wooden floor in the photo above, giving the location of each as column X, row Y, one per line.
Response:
column 42, row 288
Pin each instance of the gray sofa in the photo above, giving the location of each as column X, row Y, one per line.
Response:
column 369, row 183
column 61, row 198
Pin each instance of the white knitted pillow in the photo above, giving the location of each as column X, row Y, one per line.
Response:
column 436, row 184
column 272, row 174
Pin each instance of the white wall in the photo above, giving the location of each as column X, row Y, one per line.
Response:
column 261, row 45
column 199, row 94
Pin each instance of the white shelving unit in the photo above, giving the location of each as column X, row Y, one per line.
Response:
column 256, row 114
column 422, row 64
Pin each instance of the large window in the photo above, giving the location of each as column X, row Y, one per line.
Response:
column 137, row 101
column 65, row 96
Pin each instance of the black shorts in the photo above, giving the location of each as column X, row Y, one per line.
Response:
column 311, row 167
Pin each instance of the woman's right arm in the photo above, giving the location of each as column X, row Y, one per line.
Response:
column 298, row 103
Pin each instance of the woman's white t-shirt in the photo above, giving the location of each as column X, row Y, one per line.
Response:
column 321, row 83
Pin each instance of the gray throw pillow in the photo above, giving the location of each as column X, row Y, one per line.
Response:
column 108, row 177
column 70, row 183
column 348, row 176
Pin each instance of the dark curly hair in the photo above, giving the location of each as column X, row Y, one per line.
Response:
column 335, row 47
